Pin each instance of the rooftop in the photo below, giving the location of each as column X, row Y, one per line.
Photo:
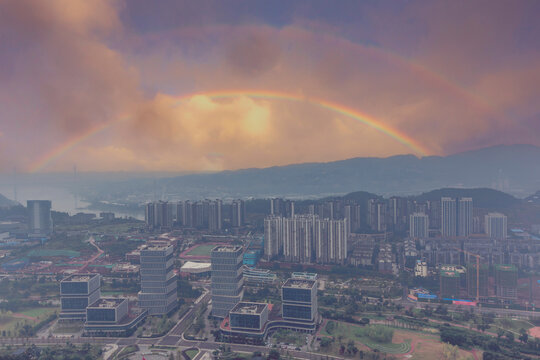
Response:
column 80, row 277
column 192, row 265
column 506, row 267
column 157, row 248
column 304, row 275
column 449, row 273
column 107, row 303
column 227, row 248
column 299, row 283
column 249, row 308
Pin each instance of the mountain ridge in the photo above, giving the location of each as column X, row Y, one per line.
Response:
column 514, row 169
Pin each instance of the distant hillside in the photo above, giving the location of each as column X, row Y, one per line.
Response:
column 4, row 201
column 534, row 198
column 514, row 168
column 482, row 197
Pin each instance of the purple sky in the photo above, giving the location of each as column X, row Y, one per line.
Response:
column 449, row 75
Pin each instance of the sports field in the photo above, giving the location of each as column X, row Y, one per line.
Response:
column 201, row 250
column 12, row 323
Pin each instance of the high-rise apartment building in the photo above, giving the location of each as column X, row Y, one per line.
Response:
column 448, row 217
column 158, row 282
column 496, row 226
column 331, row 240
column 449, row 284
column 281, row 207
column 215, row 217
column 39, row 218
column 419, row 226
column 306, row 239
column 506, row 281
column 376, row 215
column 298, row 238
column 353, row 215
column 299, row 300
column 273, row 236
column 158, row 215
column 227, row 279
column 184, row 213
column 456, row 217
column 464, row 217
column 482, row 274
column 238, row 213
column 397, row 213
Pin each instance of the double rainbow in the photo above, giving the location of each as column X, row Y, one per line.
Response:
column 341, row 109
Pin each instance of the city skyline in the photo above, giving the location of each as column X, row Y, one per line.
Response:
column 229, row 85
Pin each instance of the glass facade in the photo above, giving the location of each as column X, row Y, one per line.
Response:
column 297, row 294
column 73, row 288
column 74, row 303
column 101, row 315
column 158, row 281
column 77, row 292
column 227, row 279
column 297, row 311
column 246, row 321
column 299, row 299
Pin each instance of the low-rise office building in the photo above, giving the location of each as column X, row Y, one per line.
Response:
column 76, row 293
column 299, row 300
column 248, row 316
column 252, row 322
column 111, row 317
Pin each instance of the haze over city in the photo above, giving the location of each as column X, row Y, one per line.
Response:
column 266, row 180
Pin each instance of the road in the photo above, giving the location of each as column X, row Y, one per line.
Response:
column 173, row 338
column 93, row 258
column 175, row 335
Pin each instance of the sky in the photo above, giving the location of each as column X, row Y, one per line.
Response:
column 205, row 85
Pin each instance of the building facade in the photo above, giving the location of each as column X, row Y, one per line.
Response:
column 76, row 293
column 496, row 226
column 464, row 217
column 238, row 213
column 248, row 316
column 39, row 218
column 449, row 284
column 158, row 292
column 448, row 217
column 306, row 239
column 506, row 281
column 227, row 279
column 158, row 215
column 299, row 300
column 419, row 226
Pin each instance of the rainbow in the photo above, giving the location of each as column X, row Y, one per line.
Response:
column 341, row 109
column 354, row 114
column 44, row 160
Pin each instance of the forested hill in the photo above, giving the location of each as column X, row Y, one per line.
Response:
column 482, row 197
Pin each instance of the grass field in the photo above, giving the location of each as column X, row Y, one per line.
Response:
column 38, row 312
column 512, row 324
column 68, row 328
column 347, row 332
column 53, row 253
column 11, row 323
column 192, row 353
column 422, row 346
column 201, row 250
